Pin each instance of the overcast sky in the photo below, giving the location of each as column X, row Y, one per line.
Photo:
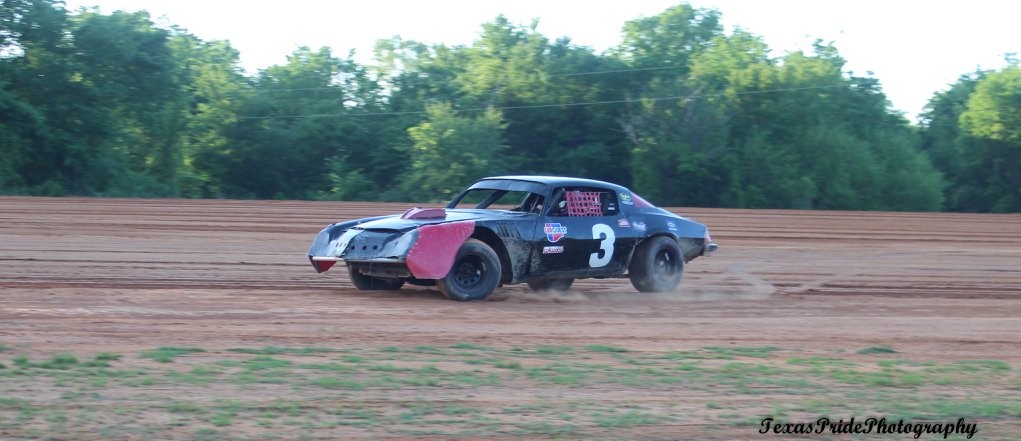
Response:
column 913, row 47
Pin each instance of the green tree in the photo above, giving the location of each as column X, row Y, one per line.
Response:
column 674, row 127
column 21, row 126
column 300, row 118
column 60, row 149
column 993, row 115
column 450, row 151
column 952, row 149
column 537, row 85
column 127, row 60
column 211, row 79
column 668, row 40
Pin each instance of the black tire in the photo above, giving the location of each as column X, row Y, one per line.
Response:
column 475, row 273
column 551, row 284
column 369, row 283
column 657, row 265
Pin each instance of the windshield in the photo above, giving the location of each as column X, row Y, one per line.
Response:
column 511, row 200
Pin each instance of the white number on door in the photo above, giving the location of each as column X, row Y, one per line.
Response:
column 605, row 235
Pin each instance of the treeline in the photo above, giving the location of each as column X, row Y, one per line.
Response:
column 112, row 105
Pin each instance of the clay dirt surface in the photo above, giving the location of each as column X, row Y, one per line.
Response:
column 84, row 277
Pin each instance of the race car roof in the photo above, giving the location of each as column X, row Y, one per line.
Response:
column 559, row 181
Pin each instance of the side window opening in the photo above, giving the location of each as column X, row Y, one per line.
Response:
column 583, row 202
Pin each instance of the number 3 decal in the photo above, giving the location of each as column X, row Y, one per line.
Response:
column 604, row 234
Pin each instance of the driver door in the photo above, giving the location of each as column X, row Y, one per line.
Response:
column 581, row 234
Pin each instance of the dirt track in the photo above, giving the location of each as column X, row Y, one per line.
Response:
column 98, row 275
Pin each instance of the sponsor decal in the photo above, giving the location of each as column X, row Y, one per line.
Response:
column 623, row 223
column 625, row 198
column 671, row 226
column 640, row 226
column 558, row 249
column 555, row 232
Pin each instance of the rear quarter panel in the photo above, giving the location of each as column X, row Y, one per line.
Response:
column 690, row 235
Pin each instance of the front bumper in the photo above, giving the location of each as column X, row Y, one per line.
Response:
column 355, row 245
column 425, row 252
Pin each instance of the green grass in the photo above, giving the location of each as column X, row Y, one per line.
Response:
column 462, row 390
column 553, row 350
column 733, row 352
column 628, row 418
column 471, row 346
column 58, row 361
column 515, row 365
column 167, row 354
column 184, row 407
column 876, row 350
column 276, row 350
column 265, row 362
column 605, row 348
column 352, row 359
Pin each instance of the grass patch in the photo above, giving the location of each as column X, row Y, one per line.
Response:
column 472, row 346
column 876, row 350
column 184, row 407
column 352, row 359
column 167, row 354
column 427, row 349
column 754, row 352
column 561, row 373
column 605, row 348
column 554, row 350
column 264, row 363
column 626, row 419
column 277, row 350
column 507, row 364
column 818, row 365
column 56, row 362
column 107, row 356
column 337, row 383
column 453, row 392
column 330, row 367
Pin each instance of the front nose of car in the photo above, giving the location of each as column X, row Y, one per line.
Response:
column 709, row 247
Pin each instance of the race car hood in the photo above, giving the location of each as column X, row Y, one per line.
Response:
column 402, row 223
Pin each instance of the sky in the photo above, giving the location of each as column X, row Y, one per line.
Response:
column 913, row 47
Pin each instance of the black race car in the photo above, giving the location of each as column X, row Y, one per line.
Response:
column 540, row 230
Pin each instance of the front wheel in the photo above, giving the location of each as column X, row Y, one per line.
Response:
column 369, row 283
column 657, row 265
column 475, row 273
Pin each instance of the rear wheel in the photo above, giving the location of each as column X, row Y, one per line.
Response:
column 369, row 283
column 657, row 265
column 475, row 273
column 551, row 284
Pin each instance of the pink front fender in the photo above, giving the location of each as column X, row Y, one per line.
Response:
column 433, row 253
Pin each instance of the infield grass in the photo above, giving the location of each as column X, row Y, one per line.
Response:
column 467, row 389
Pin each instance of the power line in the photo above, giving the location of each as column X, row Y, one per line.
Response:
column 562, row 75
column 546, row 106
column 642, row 69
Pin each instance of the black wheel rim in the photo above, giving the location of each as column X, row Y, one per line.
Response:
column 469, row 271
column 665, row 263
